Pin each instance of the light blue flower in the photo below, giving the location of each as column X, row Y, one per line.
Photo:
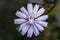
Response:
column 31, row 20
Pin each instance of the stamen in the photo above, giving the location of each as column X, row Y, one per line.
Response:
column 31, row 21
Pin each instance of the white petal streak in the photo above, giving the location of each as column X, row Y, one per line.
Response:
column 30, row 32
column 36, row 7
column 25, row 29
column 39, row 27
column 24, row 11
column 43, row 23
column 40, row 12
column 21, row 15
column 19, row 21
column 36, row 32
column 30, row 8
column 44, row 17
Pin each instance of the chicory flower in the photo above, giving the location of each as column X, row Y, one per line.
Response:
column 31, row 20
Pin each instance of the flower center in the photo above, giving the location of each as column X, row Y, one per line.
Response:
column 31, row 21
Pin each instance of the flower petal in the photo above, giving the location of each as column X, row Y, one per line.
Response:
column 36, row 7
column 40, row 12
column 18, row 28
column 19, row 21
column 22, row 26
column 30, row 32
column 36, row 32
column 39, row 27
column 44, row 17
column 25, row 29
column 24, row 11
column 21, row 15
column 43, row 23
column 30, row 8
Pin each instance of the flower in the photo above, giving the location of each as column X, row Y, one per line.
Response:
column 31, row 21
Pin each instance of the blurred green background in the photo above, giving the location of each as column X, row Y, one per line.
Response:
column 8, row 30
